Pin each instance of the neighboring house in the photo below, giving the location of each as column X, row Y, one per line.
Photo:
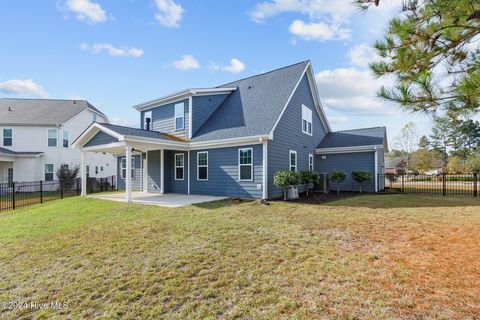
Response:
column 231, row 139
column 395, row 165
column 36, row 135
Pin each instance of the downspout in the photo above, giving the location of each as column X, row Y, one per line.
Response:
column 376, row 169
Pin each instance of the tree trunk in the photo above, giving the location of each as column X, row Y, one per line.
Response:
column 306, row 187
column 360, row 187
column 338, row 188
column 284, row 194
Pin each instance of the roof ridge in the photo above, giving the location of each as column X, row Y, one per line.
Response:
column 263, row 73
column 46, row 99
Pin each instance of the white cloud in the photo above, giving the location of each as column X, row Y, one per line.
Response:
column 235, row 66
column 87, row 11
column 187, row 62
column 169, row 13
column 337, row 120
column 319, row 31
column 362, row 55
column 353, row 91
column 113, row 51
column 23, row 88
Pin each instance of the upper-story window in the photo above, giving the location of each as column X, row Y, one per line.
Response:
column 7, row 137
column 52, row 137
column 179, row 116
column 306, row 120
column 94, row 117
column 147, row 120
column 65, row 139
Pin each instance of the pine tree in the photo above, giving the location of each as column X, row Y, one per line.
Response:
column 423, row 143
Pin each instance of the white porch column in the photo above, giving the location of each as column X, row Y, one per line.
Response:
column 83, row 173
column 162, row 176
column 188, row 172
column 265, row 170
column 128, row 174
column 375, row 154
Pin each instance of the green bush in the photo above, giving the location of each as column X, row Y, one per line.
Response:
column 284, row 179
column 361, row 176
column 338, row 177
column 308, row 178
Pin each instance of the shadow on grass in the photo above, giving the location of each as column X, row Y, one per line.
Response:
column 213, row 205
column 385, row 201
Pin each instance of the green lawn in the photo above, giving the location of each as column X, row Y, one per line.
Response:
column 383, row 257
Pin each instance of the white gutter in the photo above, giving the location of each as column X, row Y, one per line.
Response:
column 347, row 149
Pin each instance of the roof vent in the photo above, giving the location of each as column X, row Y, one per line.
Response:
column 250, row 86
column 10, row 109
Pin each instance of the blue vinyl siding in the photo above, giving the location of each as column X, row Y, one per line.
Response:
column 288, row 135
column 170, row 184
column 163, row 118
column 153, row 174
column 348, row 162
column 223, row 177
column 99, row 139
column 381, row 168
column 137, row 181
column 203, row 107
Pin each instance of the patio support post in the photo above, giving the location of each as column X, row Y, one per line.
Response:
column 128, row 174
column 83, row 173
column 265, row 170
column 162, row 176
column 188, row 173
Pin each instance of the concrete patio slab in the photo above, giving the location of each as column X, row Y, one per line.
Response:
column 170, row 200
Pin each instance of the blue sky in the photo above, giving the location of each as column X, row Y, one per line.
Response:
column 119, row 53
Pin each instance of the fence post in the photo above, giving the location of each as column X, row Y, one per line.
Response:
column 113, row 187
column 13, row 195
column 475, row 185
column 444, row 184
column 403, row 182
column 41, row 191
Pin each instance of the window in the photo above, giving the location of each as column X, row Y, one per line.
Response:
column 306, row 120
column 52, row 137
column 65, row 139
column 94, row 116
column 245, row 164
column 179, row 166
column 48, row 172
column 293, row 160
column 202, row 165
column 101, row 168
column 7, row 137
column 88, row 171
column 10, row 177
column 310, row 162
column 65, row 166
column 179, row 116
column 147, row 120
column 123, row 168
column 96, row 170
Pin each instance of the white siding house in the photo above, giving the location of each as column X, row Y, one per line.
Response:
column 36, row 137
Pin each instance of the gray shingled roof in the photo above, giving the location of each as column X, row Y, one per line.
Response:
column 127, row 131
column 254, row 107
column 356, row 137
column 40, row 111
column 7, row 151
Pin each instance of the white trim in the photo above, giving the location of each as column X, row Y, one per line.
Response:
column 188, row 172
column 290, row 160
column 251, row 165
column 202, row 166
column 306, row 120
column 132, row 167
column 128, row 173
column 175, row 117
column 310, row 156
column 56, row 137
column 180, row 95
column 265, row 170
column 105, row 146
column 3, row 136
column 162, row 170
column 182, row 166
column 190, row 117
column 145, row 172
column 83, row 173
column 347, row 149
column 89, row 133
column 45, row 171
column 376, row 170
column 229, row 142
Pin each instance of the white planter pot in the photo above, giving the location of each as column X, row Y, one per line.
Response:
column 292, row 192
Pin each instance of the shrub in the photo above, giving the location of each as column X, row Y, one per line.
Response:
column 284, row 179
column 361, row 176
column 308, row 178
column 338, row 177
column 67, row 176
column 473, row 163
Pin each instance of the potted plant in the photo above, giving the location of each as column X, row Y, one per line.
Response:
column 308, row 178
column 338, row 177
column 361, row 176
column 287, row 180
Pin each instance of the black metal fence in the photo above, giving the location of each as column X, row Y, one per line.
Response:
column 20, row 194
column 466, row 185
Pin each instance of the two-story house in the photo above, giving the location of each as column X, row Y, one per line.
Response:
column 231, row 139
column 36, row 137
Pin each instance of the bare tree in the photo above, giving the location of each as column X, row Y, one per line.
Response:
column 407, row 141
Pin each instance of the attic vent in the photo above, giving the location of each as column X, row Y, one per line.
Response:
column 10, row 109
column 250, row 86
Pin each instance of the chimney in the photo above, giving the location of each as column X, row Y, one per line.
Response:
column 147, row 124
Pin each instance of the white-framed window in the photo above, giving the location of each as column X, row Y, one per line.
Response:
column 123, row 168
column 7, row 137
column 96, row 169
column 52, row 137
column 310, row 162
column 245, row 164
column 306, row 120
column 202, row 165
column 293, row 160
column 65, row 166
column 94, row 116
column 147, row 121
column 179, row 166
column 179, row 116
column 49, row 172
column 65, row 139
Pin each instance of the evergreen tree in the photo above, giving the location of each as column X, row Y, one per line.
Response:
column 439, row 139
column 423, row 143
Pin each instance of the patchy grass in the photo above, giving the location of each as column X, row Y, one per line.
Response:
column 383, row 257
